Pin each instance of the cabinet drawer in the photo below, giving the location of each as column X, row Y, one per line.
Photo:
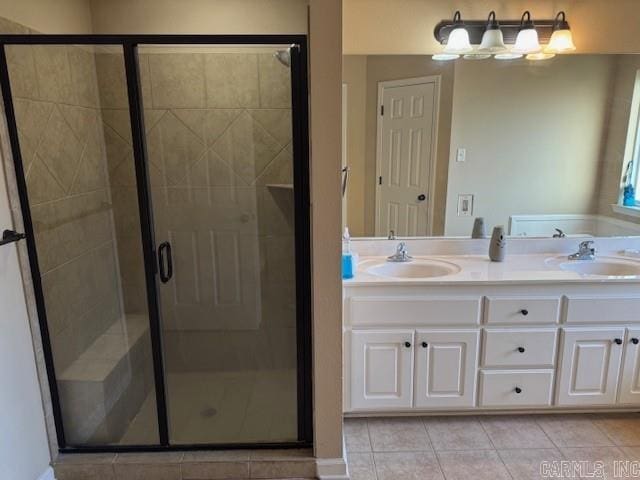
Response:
column 417, row 311
column 500, row 388
column 510, row 310
column 603, row 309
column 519, row 347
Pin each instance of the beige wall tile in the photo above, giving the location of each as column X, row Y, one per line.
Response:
column 177, row 80
column 53, row 71
column 22, row 71
column 275, row 83
column 111, row 80
column 215, row 470
column 232, row 80
column 283, row 469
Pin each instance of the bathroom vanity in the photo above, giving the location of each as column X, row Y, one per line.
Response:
column 533, row 333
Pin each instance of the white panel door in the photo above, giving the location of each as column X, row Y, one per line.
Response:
column 590, row 366
column 446, row 364
column 381, row 369
column 405, row 152
column 630, row 380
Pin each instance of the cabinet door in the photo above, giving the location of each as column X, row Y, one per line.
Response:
column 446, row 365
column 590, row 366
column 381, row 369
column 630, row 380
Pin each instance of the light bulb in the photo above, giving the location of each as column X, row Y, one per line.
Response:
column 561, row 39
column 492, row 39
column 458, row 41
column 527, row 39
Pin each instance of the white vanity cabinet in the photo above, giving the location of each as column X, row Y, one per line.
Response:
column 491, row 347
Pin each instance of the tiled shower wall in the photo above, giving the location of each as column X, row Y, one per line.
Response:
column 218, row 132
column 59, row 117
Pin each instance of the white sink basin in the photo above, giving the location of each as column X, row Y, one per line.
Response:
column 603, row 267
column 414, row 269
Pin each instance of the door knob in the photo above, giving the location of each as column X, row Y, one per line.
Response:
column 425, row 344
column 422, row 197
column 618, row 341
column 521, row 349
column 518, row 390
column 634, row 341
column 524, row 312
column 407, row 344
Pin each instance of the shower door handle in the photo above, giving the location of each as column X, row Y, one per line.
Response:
column 165, row 264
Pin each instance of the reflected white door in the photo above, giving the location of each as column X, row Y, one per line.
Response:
column 590, row 366
column 405, row 156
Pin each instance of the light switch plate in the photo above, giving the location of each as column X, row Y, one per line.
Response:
column 465, row 205
column 461, row 155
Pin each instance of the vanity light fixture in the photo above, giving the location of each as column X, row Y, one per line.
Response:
column 492, row 38
column 508, row 56
column 561, row 39
column 458, row 42
column 527, row 39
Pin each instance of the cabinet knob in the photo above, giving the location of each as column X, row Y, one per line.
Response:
column 425, row 344
column 521, row 349
column 517, row 390
column 407, row 344
column 524, row 312
column 634, row 341
column 618, row 341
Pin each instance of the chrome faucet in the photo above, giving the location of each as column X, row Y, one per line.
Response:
column 401, row 254
column 585, row 251
column 559, row 233
column 392, row 235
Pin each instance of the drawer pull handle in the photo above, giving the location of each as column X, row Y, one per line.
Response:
column 524, row 312
column 518, row 390
column 425, row 344
column 407, row 344
column 521, row 349
column 634, row 341
column 618, row 341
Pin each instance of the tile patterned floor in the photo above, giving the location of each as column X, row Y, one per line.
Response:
column 485, row 447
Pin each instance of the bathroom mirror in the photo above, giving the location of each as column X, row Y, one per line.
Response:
column 532, row 145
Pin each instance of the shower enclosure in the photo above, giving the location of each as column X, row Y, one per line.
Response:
column 163, row 182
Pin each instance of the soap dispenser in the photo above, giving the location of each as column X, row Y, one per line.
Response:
column 347, row 257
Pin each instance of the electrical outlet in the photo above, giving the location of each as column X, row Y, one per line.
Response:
column 461, row 155
column 465, row 205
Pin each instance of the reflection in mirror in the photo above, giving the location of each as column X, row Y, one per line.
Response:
column 543, row 148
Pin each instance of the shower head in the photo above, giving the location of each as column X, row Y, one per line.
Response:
column 284, row 57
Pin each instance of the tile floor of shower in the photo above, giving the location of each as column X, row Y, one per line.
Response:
column 223, row 407
column 487, row 447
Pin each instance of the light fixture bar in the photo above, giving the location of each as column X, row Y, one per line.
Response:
column 476, row 29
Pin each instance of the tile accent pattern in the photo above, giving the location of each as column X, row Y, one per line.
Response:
column 485, row 447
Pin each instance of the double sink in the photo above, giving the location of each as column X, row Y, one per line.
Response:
column 423, row 268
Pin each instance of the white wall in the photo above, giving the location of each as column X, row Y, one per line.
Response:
column 533, row 135
column 24, row 451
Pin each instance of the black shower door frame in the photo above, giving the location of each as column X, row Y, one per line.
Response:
column 300, row 131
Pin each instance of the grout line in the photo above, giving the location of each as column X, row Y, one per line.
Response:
column 373, row 456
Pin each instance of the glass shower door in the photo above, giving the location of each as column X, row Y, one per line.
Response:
column 76, row 168
column 218, row 124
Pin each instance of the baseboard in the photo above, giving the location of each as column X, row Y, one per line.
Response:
column 332, row 469
column 48, row 474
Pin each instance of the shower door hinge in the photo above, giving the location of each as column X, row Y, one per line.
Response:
column 381, row 109
column 379, row 180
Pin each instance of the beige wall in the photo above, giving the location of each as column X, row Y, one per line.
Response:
column 59, row 16
column 533, row 135
column 199, row 16
column 326, row 131
column 406, row 26
column 354, row 75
